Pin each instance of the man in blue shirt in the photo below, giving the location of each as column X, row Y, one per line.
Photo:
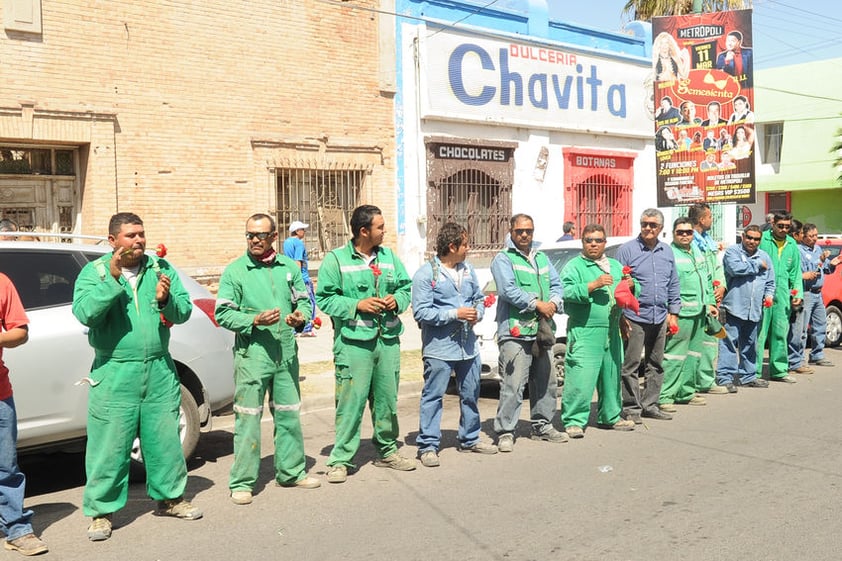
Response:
column 751, row 288
column 294, row 249
column 447, row 302
column 815, row 264
column 652, row 265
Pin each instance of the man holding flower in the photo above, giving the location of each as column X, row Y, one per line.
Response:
column 530, row 294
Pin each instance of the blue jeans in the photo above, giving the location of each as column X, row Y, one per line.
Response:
column 815, row 317
column 517, row 366
column 796, row 340
column 737, row 351
column 14, row 521
column 436, row 378
column 308, row 327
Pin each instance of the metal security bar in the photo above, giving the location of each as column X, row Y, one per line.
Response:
column 324, row 199
column 601, row 200
column 476, row 201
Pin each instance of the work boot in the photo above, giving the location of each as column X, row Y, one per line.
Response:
column 430, row 459
column 27, row 544
column 396, row 461
column 100, row 528
column 550, row 434
column 178, row 508
column 480, row 448
column 506, row 442
column 241, row 497
column 337, row 474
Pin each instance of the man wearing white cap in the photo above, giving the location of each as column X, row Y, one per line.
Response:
column 294, row 249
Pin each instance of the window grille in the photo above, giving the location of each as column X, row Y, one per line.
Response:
column 601, row 200
column 324, row 199
column 474, row 200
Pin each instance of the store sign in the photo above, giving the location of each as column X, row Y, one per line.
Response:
column 470, row 78
column 477, row 153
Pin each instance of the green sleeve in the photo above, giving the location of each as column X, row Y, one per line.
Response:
column 229, row 299
column 299, row 296
column 329, row 296
column 179, row 306
column 95, row 292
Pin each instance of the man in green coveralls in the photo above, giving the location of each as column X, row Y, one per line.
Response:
column 789, row 290
column 594, row 346
column 128, row 300
column 701, row 217
column 683, row 349
column 363, row 287
column 256, row 292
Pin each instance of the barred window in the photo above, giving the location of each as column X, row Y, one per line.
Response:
column 601, row 200
column 322, row 198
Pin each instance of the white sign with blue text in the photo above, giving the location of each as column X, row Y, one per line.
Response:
column 479, row 79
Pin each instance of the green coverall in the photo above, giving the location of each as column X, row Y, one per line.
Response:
column 774, row 327
column 706, row 373
column 134, row 386
column 366, row 347
column 682, row 351
column 265, row 360
column 594, row 346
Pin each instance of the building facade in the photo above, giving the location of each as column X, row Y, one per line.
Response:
column 196, row 115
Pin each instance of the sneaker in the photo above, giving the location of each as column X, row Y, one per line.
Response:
column 667, row 407
column 576, row 432
column 480, row 448
column 624, row 425
column 821, row 362
column 784, row 379
column 430, row 459
column 656, row 414
column 758, row 383
column 718, row 390
column 731, row 388
column 306, row 482
column 697, row 400
column 506, row 442
column 396, row 461
column 241, row 497
column 802, row 370
column 178, row 508
column 550, row 434
column 307, row 334
column 28, row 544
column 100, row 528
column 337, row 474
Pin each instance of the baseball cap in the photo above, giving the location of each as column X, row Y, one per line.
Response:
column 298, row 225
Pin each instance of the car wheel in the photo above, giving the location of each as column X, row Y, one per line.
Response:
column 834, row 327
column 559, row 350
column 188, row 432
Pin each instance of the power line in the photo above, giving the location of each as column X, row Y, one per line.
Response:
column 822, row 16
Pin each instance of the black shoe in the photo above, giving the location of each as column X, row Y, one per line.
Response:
column 657, row 414
column 757, row 383
column 731, row 388
column 633, row 417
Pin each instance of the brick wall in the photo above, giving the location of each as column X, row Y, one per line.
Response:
column 167, row 101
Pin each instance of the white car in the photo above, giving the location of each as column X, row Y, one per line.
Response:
column 52, row 405
column 559, row 253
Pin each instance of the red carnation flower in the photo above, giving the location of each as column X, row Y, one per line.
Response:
column 165, row 321
column 515, row 331
column 375, row 270
column 489, row 300
column 672, row 329
column 767, row 302
column 716, row 283
column 317, row 322
column 794, row 291
column 161, row 250
column 627, row 270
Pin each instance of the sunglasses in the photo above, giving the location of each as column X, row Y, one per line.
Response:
column 752, row 238
column 783, row 226
column 652, row 225
column 684, row 232
column 259, row 235
column 522, row 231
column 594, row 240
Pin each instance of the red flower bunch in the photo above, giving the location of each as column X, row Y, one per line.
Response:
column 672, row 329
column 515, row 331
column 767, row 302
column 161, row 250
column 375, row 270
column 716, row 284
column 165, row 322
column 489, row 300
column 317, row 322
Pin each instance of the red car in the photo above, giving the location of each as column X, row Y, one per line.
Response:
column 832, row 293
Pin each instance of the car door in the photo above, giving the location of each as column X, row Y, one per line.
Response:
column 44, row 371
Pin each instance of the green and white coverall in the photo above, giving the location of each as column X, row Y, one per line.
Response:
column 134, row 386
column 683, row 351
column 366, row 347
column 706, row 373
column 265, row 361
column 594, row 346
column 774, row 328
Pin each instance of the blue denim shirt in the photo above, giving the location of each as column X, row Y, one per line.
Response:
column 810, row 262
column 747, row 282
column 654, row 270
column 434, row 304
column 510, row 294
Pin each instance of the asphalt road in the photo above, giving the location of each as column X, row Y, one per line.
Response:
column 751, row 476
